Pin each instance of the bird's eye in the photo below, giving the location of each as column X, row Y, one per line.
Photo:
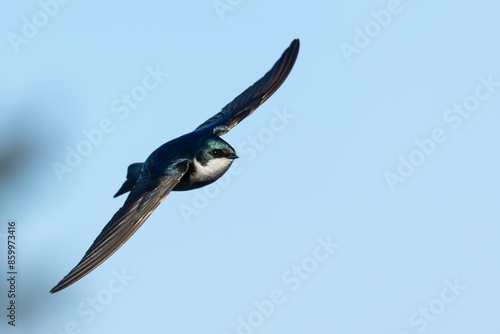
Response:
column 215, row 153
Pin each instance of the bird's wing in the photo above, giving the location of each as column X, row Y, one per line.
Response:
column 149, row 191
column 243, row 105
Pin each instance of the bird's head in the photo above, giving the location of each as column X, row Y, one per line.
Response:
column 215, row 148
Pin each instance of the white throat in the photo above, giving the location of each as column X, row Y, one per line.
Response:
column 211, row 171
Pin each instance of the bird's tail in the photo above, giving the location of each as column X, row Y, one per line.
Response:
column 133, row 172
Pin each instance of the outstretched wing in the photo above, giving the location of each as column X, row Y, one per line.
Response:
column 149, row 191
column 253, row 96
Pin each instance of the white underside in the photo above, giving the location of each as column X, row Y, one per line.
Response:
column 213, row 170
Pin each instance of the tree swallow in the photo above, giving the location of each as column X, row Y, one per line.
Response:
column 191, row 161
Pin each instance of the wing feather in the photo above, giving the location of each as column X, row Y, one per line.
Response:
column 146, row 195
column 245, row 104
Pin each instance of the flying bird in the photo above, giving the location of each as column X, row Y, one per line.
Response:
column 188, row 162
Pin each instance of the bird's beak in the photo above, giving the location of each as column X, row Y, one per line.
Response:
column 232, row 156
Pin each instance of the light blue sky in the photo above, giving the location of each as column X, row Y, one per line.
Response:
column 305, row 234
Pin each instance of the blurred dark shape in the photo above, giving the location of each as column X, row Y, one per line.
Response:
column 14, row 159
column 28, row 132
